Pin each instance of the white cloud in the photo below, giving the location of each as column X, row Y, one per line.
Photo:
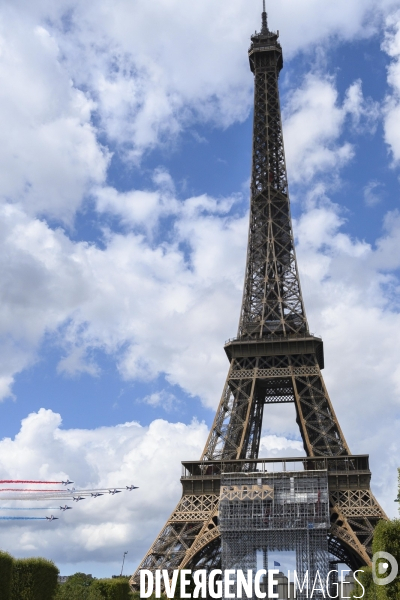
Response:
column 310, row 22
column 391, row 46
column 136, row 207
column 138, row 65
column 273, row 446
column 372, row 193
column 49, row 154
column 161, row 399
column 140, row 68
column 140, row 208
column 36, row 263
column 144, row 303
column 76, row 363
column 364, row 112
column 314, row 121
column 69, row 63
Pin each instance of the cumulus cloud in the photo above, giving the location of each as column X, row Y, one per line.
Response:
column 140, row 208
column 273, row 446
column 309, row 24
column 120, row 298
column 140, row 68
column 117, row 456
column 135, row 62
column 313, row 145
column 49, row 155
column 145, row 85
column 165, row 287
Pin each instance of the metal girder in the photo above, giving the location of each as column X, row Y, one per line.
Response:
column 256, row 381
column 191, row 526
column 272, row 301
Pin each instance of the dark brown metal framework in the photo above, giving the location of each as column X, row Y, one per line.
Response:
column 274, row 359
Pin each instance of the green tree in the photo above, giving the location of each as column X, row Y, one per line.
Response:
column 366, row 580
column 76, row 588
column 6, row 567
column 387, row 539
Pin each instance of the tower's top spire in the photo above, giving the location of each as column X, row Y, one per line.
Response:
column 264, row 26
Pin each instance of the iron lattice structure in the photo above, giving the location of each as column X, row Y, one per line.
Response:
column 259, row 513
column 273, row 359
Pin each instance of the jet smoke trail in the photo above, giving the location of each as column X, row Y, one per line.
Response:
column 29, row 490
column 27, row 481
column 22, row 518
column 29, row 508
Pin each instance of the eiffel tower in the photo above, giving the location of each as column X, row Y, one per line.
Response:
column 273, row 359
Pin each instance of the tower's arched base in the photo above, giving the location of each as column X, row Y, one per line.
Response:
column 191, row 537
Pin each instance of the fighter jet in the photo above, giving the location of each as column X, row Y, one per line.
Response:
column 131, row 487
column 52, row 518
column 114, row 491
column 68, row 482
column 64, row 508
column 77, row 498
column 96, row 495
column 72, row 490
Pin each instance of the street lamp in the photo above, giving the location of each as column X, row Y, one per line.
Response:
column 123, row 560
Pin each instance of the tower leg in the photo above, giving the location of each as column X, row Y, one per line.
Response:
column 192, row 527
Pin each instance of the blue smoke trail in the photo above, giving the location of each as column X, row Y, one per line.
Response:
column 22, row 518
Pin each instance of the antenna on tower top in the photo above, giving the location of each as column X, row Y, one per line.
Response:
column 264, row 27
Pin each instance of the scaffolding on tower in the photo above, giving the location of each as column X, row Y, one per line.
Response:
column 260, row 513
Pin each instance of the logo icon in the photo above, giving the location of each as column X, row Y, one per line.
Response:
column 381, row 561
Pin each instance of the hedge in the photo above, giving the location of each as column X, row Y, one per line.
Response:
column 34, row 579
column 110, row 589
column 6, row 567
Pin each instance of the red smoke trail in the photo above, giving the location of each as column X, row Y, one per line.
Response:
column 25, row 481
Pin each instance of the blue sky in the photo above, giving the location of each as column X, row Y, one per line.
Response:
column 125, row 164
